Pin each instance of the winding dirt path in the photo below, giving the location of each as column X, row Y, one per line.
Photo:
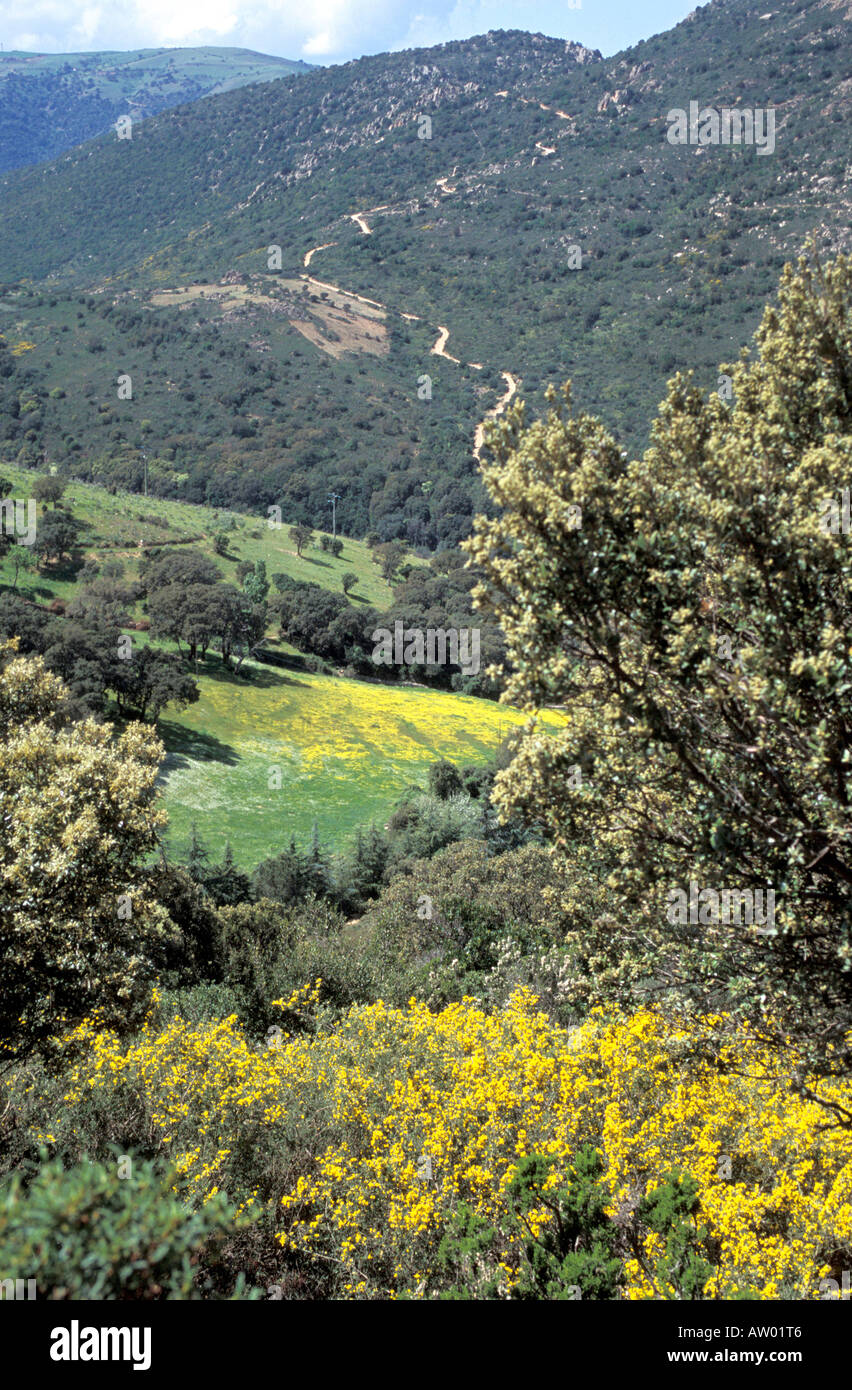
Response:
column 528, row 101
column 314, row 249
column 324, row 285
column 479, row 436
column 438, row 348
column 360, row 218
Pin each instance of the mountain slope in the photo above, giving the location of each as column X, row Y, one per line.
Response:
column 418, row 276
column 50, row 102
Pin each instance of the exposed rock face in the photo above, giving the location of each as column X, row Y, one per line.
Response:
column 581, row 54
column 619, row 99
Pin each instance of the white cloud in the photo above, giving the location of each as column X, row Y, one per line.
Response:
column 318, row 30
column 89, row 23
column 319, row 45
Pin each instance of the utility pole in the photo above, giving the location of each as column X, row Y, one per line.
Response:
column 334, row 498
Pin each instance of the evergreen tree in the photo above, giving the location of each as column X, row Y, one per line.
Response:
column 364, row 872
column 318, row 871
column 197, row 856
column 226, row 884
column 445, row 780
column 285, row 877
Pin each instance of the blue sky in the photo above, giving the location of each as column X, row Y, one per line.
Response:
column 321, row 31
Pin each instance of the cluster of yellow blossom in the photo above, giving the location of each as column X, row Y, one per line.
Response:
column 303, row 1003
column 400, row 1114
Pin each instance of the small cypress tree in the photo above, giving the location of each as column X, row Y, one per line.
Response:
column 226, row 884
column 197, row 856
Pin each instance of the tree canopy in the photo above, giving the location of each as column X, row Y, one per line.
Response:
column 79, row 812
column 694, row 627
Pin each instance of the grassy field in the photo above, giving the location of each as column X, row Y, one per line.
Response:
column 343, row 751
column 117, row 526
column 259, row 759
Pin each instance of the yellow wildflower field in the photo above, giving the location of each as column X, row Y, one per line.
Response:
column 385, row 1119
column 256, row 762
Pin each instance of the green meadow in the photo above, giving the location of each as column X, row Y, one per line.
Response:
column 268, row 753
column 254, row 762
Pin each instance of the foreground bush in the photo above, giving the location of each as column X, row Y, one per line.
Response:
column 469, row 923
column 690, row 612
column 79, row 809
column 117, row 1232
column 362, row 1140
column 272, row 947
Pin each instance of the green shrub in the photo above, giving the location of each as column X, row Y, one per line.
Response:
column 469, row 922
column 444, row 780
column 424, row 823
column 195, row 952
column 90, row 1233
column 273, row 949
column 201, row 1003
column 580, row 1252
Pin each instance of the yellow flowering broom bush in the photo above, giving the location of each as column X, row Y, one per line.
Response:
column 363, row 1135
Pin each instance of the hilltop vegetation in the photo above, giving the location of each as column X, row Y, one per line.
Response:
column 50, row 102
column 258, row 391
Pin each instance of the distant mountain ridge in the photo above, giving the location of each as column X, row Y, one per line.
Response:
column 50, row 102
column 327, row 282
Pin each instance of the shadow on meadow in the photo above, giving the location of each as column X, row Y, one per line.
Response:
column 63, row 571
column 185, row 746
column 30, row 593
column 258, row 677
